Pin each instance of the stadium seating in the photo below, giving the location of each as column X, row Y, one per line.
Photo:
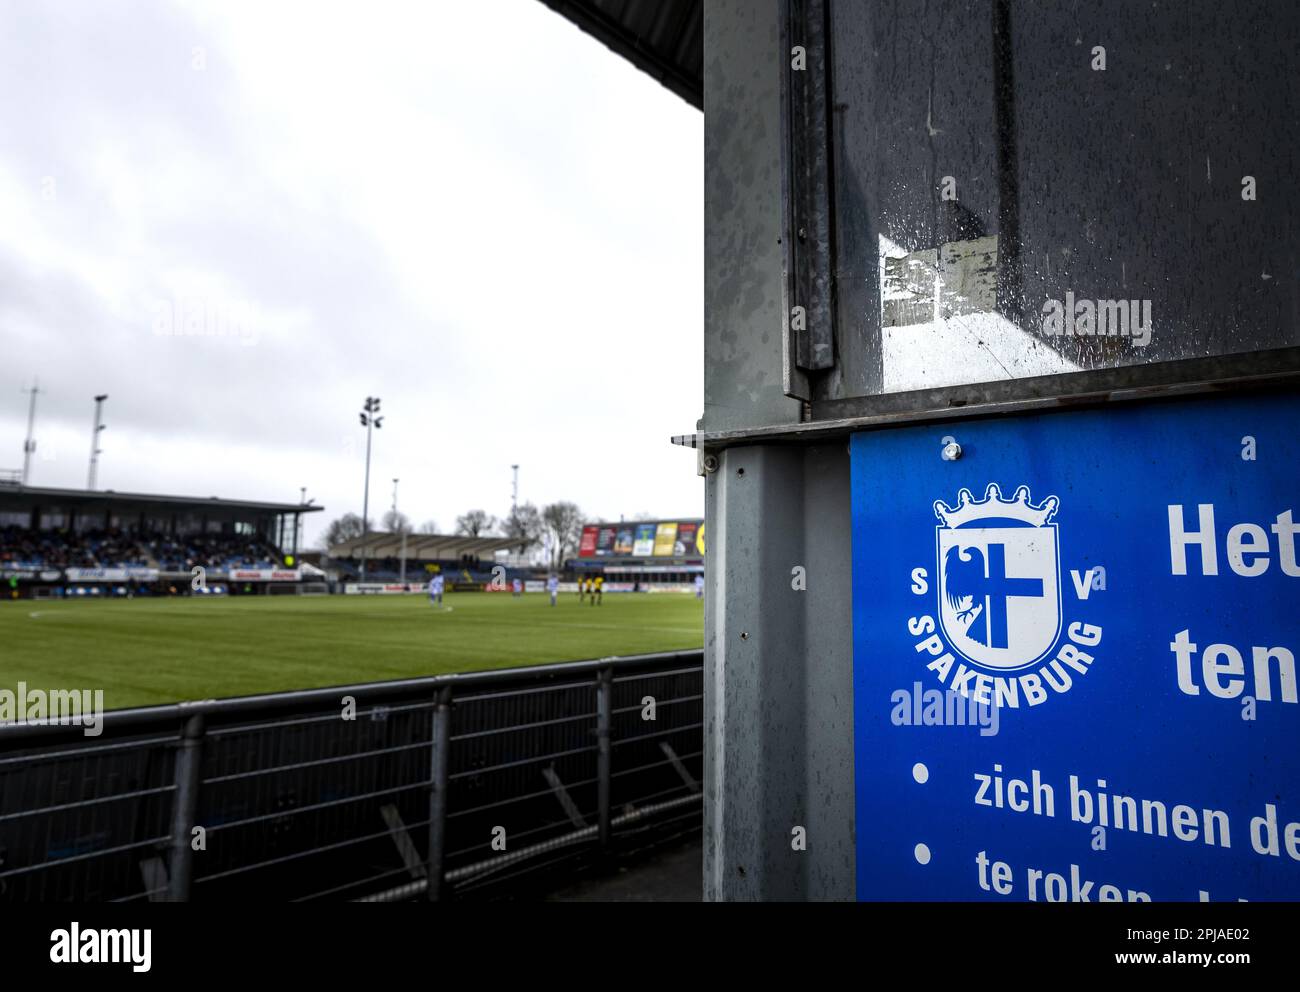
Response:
column 213, row 551
column 23, row 548
column 390, row 570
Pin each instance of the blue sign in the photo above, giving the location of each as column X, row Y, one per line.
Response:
column 1075, row 655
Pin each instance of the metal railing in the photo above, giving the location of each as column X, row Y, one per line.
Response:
column 381, row 791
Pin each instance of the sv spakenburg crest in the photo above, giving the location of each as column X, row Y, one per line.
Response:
column 1001, row 637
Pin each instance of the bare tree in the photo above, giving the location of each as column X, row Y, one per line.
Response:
column 345, row 528
column 524, row 523
column 429, row 527
column 564, row 525
column 475, row 523
column 397, row 522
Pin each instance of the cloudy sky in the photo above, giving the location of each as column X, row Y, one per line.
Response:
column 239, row 220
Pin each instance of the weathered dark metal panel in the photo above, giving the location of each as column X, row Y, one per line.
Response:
column 1122, row 182
column 743, row 266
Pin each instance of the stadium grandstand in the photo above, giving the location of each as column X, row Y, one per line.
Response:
column 391, row 559
column 642, row 556
column 87, row 543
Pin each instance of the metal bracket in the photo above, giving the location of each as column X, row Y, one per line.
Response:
column 687, row 777
column 562, row 795
column 807, row 286
column 153, row 871
column 1273, row 369
column 405, row 846
column 706, row 462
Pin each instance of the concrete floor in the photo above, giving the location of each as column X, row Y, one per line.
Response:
column 671, row 875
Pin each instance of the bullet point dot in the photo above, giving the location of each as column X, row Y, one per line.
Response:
column 922, row 854
column 920, row 772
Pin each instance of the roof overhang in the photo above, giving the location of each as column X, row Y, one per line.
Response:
column 664, row 38
column 420, row 546
column 21, row 497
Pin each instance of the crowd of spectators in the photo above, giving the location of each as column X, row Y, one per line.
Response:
column 468, row 569
column 116, row 548
column 180, row 554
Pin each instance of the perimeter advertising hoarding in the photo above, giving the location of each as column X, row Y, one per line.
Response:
column 665, row 538
column 119, row 574
column 625, row 541
column 605, row 542
column 264, row 575
column 660, row 539
column 685, row 543
column 644, row 545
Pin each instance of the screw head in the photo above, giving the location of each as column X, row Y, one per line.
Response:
column 951, row 451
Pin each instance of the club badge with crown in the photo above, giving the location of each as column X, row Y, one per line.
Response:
column 999, row 578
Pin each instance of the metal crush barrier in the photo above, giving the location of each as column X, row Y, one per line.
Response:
column 421, row 788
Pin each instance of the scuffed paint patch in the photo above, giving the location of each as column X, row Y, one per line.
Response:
column 953, row 280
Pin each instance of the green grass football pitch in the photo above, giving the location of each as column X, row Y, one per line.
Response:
column 142, row 652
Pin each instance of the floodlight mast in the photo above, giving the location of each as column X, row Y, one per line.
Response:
column 29, row 445
column 397, row 523
column 370, row 420
column 95, row 450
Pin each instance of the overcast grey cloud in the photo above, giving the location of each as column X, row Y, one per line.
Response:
column 238, row 220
